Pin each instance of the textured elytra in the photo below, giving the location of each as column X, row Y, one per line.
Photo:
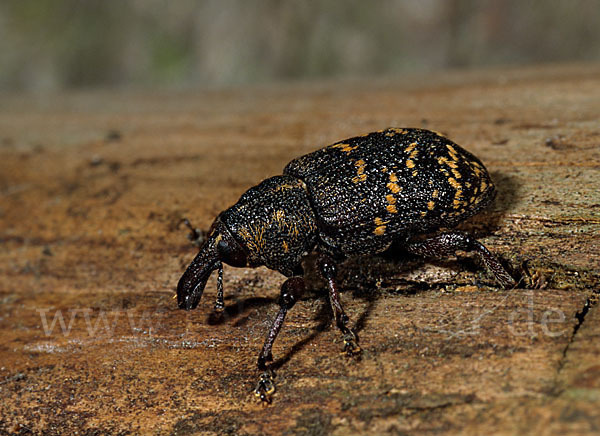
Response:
column 371, row 190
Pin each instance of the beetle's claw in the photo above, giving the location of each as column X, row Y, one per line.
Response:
column 265, row 388
column 351, row 347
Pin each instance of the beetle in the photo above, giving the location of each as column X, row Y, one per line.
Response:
column 353, row 198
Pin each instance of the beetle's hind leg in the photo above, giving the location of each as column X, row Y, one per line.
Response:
column 291, row 290
column 328, row 271
column 446, row 244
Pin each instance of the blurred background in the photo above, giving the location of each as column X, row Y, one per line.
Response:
column 52, row 45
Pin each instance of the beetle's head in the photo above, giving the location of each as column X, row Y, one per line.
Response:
column 219, row 247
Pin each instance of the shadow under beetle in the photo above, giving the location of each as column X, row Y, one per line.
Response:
column 353, row 198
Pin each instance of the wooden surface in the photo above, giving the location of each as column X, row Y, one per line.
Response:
column 92, row 190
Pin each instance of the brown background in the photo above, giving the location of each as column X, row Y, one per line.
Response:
column 93, row 186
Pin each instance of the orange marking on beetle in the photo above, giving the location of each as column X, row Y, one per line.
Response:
column 414, row 154
column 430, row 205
column 452, row 151
column 435, row 193
column 379, row 222
column 346, row 147
column 454, row 183
column 380, row 230
column 390, row 199
column 410, row 163
column 286, row 248
column 410, row 147
column 456, row 174
column 394, row 188
column 423, row 213
column 391, row 208
column 444, row 161
column 360, row 171
column 393, row 177
column 483, row 185
column 360, row 178
column 414, row 173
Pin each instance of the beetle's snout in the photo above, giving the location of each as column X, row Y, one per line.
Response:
column 191, row 285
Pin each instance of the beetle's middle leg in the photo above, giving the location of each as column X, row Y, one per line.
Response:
column 291, row 290
column 329, row 271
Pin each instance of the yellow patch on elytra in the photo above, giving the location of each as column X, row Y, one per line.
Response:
column 454, row 183
column 345, row 147
column 410, row 147
column 410, row 163
column 390, row 199
column 483, row 185
column 414, row 154
column 391, row 208
column 360, row 171
column 430, row 205
column 423, row 213
column 380, row 230
column 379, row 222
column 414, row 173
column 444, row 161
column 384, row 170
column 286, row 248
column 393, row 177
column 394, row 188
column 397, row 130
column 452, row 151
column 435, row 193
column 456, row 174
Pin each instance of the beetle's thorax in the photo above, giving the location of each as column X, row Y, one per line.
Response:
column 274, row 222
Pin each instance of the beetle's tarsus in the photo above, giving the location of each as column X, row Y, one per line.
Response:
column 265, row 388
column 351, row 347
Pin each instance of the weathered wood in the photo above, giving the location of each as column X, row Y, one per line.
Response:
column 92, row 191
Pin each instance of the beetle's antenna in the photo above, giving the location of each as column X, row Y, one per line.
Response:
column 219, row 303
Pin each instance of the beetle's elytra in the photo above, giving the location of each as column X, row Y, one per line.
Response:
column 353, row 198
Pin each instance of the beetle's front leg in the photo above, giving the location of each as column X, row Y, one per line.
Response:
column 329, row 272
column 291, row 291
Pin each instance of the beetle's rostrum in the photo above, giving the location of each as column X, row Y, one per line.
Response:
column 353, row 198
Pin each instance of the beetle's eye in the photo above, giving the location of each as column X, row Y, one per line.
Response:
column 231, row 252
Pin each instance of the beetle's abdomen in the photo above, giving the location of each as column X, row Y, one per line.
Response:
column 370, row 190
column 275, row 222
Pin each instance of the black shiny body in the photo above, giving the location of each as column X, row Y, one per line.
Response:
column 353, row 198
